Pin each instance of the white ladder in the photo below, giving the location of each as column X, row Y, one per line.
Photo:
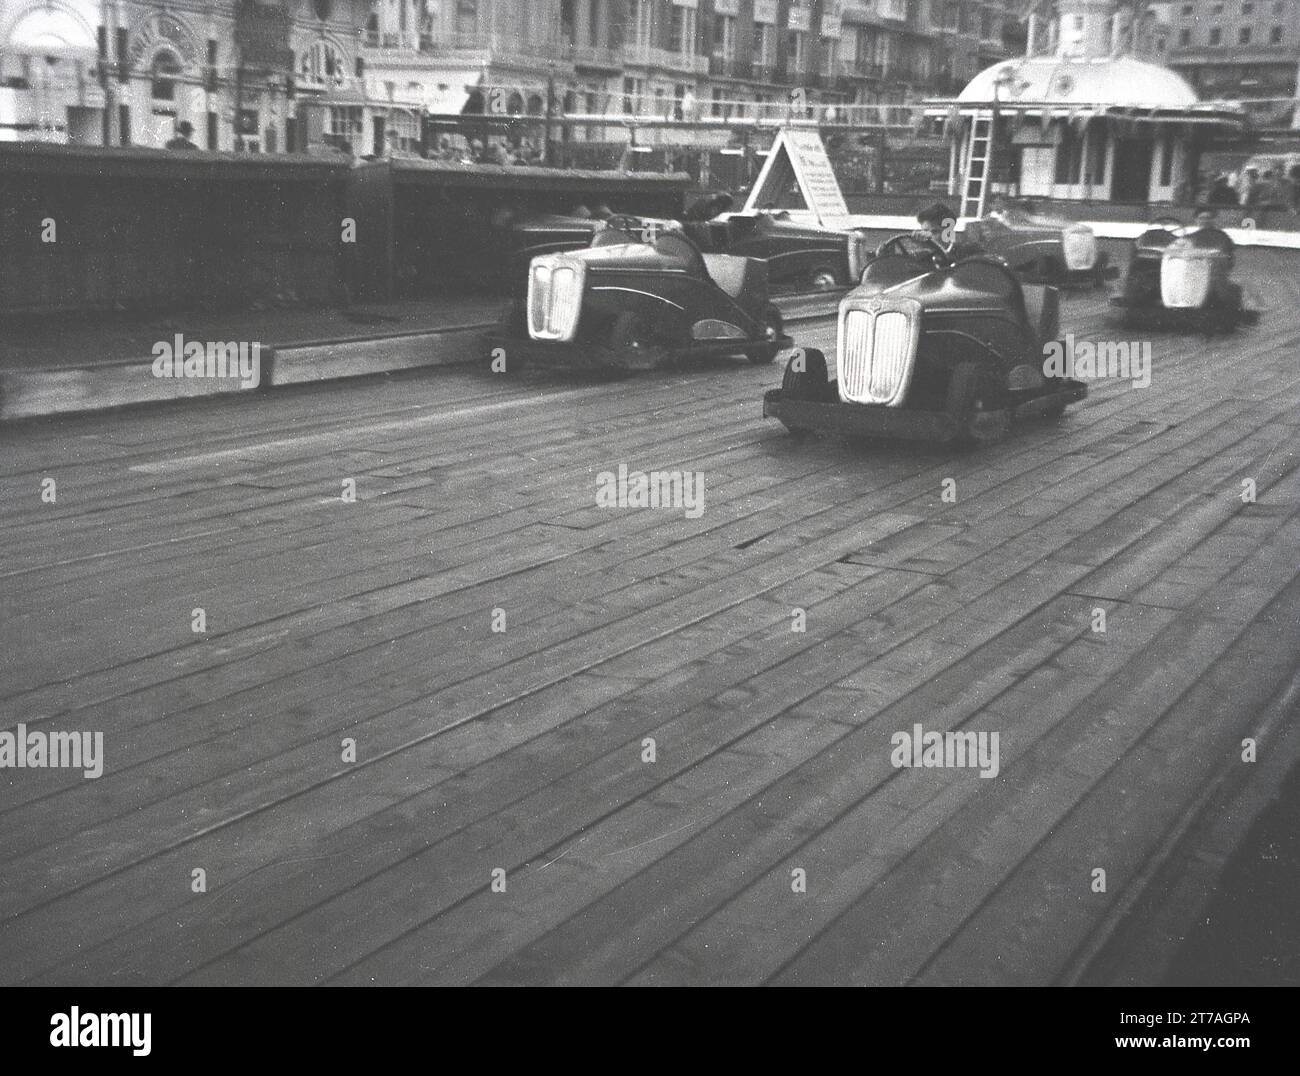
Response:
column 979, row 151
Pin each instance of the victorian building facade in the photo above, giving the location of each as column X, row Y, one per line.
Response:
column 252, row 75
column 271, row 75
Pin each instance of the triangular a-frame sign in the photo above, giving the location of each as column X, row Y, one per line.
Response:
column 799, row 155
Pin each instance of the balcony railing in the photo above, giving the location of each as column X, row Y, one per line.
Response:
column 730, row 67
column 856, row 69
column 593, row 56
column 648, row 56
column 907, row 72
column 1232, row 54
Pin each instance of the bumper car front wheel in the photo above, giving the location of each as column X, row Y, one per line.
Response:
column 634, row 343
column 805, row 377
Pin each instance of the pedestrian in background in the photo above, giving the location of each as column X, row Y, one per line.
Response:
column 1248, row 187
column 1221, row 192
column 1267, row 192
column 181, row 140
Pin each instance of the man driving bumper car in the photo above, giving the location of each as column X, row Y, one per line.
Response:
column 938, row 229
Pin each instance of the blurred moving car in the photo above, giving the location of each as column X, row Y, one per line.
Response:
column 1040, row 249
column 798, row 255
column 929, row 349
column 627, row 303
column 1181, row 277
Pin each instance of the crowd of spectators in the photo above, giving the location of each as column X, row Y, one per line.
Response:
column 1274, row 189
column 514, row 150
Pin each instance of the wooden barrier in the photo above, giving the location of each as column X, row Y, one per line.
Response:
column 107, row 229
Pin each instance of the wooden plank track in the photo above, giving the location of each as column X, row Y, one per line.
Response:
column 672, row 732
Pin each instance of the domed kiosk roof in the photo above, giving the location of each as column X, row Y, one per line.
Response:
column 1121, row 81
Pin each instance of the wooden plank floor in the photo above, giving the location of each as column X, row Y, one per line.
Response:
column 523, row 750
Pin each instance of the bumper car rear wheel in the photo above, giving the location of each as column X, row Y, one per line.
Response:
column 773, row 330
column 976, row 402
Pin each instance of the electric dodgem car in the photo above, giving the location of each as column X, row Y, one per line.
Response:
column 929, row 349
column 637, row 305
column 1042, row 250
column 1181, row 278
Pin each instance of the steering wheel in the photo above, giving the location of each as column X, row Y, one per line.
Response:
column 909, row 246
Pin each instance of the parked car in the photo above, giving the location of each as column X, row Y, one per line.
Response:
column 628, row 303
column 1181, row 277
column 930, row 350
column 1042, row 250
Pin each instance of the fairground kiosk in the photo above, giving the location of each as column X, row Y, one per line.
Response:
column 1087, row 120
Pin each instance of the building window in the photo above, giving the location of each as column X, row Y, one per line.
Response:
column 1216, row 9
column 406, row 127
column 323, row 65
column 798, row 51
column 1069, row 163
column 346, row 123
column 633, row 89
column 1096, row 158
column 1243, row 36
column 1167, row 159
column 1247, row 8
column 1275, row 36
column 466, row 16
column 764, row 44
column 724, row 37
column 640, row 16
column 1216, row 36
column 1184, row 37
column 165, row 69
column 830, row 56
column 683, row 29
column 1188, row 9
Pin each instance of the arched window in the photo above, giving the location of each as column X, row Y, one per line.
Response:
column 166, row 66
column 50, row 28
column 323, row 65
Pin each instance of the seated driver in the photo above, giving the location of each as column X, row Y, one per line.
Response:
column 939, row 230
column 1207, row 233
